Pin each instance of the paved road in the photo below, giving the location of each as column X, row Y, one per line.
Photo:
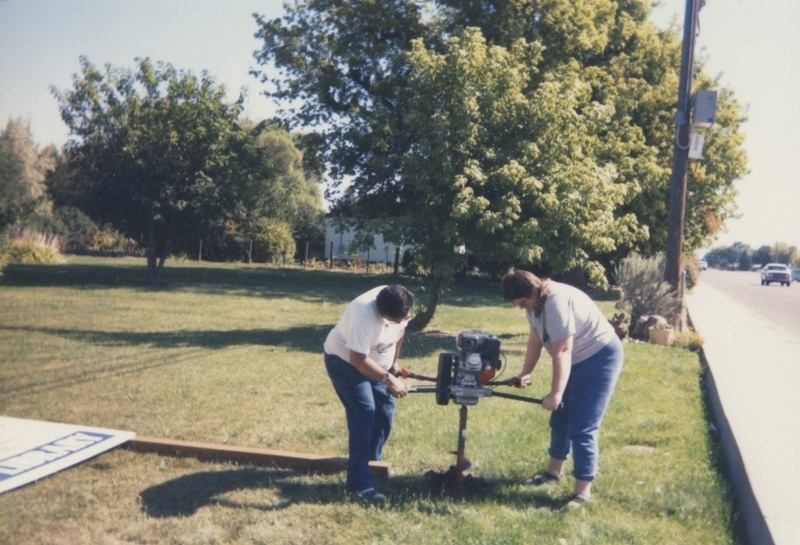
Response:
column 778, row 303
column 752, row 347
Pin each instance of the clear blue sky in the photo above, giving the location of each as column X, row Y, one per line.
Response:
column 41, row 42
column 753, row 44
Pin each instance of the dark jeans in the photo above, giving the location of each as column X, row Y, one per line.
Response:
column 576, row 426
column 369, row 408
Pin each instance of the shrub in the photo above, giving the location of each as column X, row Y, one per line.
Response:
column 409, row 263
column 76, row 229
column 690, row 340
column 30, row 247
column 317, row 264
column 355, row 261
column 692, row 267
column 643, row 290
column 31, row 253
column 619, row 317
column 273, row 242
column 107, row 240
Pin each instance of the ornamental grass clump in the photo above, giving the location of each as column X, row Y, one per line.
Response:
column 643, row 290
column 31, row 247
column 690, row 340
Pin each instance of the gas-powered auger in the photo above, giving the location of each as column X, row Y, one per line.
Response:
column 466, row 377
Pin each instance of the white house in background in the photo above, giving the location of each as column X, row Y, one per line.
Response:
column 380, row 252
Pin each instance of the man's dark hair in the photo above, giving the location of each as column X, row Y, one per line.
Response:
column 395, row 301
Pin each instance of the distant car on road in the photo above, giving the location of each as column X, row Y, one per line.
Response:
column 776, row 272
column 703, row 265
column 795, row 275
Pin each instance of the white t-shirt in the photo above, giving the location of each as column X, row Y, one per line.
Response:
column 569, row 311
column 362, row 329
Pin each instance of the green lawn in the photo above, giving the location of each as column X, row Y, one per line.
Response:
column 231, row 354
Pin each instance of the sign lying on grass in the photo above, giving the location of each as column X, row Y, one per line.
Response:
column 31, row 449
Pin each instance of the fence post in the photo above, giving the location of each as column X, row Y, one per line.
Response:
column 331, row 256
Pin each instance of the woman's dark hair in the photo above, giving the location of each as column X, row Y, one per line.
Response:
column 517, row 284
column 395, row 301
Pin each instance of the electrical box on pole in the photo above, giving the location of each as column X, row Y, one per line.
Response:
column 696, row 146
column 705, row 109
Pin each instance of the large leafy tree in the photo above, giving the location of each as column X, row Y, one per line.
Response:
column 534, row 132
column 149, row 152
column 159, row 155
column 633, row 68
column 512, row 175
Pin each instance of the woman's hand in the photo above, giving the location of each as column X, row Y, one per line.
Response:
column 523, row 380
column 552, row 400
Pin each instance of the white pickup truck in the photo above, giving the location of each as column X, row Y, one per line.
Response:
column 776, row 272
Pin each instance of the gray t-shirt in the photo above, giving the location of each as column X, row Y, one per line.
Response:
column 569, row 311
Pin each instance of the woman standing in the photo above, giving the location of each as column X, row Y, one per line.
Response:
column 587, row 359
column 361, row 360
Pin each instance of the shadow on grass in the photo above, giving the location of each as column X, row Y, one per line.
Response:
column 253, row 280
column 424, row 344
column 303, row 339
column 269, row 282
column 300, row 339
column 185, row 495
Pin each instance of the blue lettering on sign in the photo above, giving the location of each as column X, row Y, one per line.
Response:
column 48, row 453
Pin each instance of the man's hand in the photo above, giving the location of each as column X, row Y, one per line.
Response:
column 396, row 387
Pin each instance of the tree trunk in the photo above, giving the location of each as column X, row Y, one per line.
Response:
column 155, row 266
column 152, row 258
column 161, row 259
column 152, row 266
column 422, row 319
column 155, row 259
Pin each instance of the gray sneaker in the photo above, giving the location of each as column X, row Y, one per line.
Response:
column 368, row 496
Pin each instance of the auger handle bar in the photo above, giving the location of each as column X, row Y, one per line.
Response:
column 425, row 390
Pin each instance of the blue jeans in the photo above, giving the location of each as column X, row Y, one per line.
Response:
column 576, row 425
column 369, row 408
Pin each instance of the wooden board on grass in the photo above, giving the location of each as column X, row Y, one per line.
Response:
column 254, row 456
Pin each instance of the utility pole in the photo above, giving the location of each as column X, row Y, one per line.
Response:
column 680, row 158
